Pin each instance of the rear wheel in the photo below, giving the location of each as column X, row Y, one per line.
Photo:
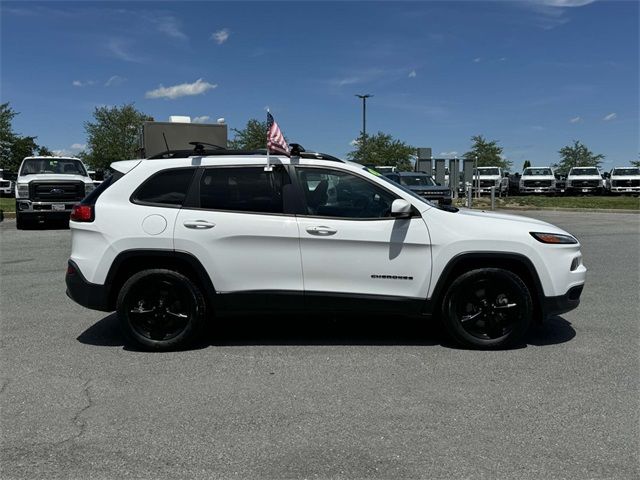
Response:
column 487, row 308
column 161, row 309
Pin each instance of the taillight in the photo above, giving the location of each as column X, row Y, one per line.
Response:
column 82, row 213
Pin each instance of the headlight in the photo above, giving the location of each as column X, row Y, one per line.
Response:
column 88, row 188
column 553, row 237
column 22, row 190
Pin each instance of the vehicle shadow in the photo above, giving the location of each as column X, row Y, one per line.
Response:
column 326, row 330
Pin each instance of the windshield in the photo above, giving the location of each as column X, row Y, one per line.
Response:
column 488, row 171
column 537, row 171
column 64, row 166
column 626, row 171
column 417, row 181
column 584, row 171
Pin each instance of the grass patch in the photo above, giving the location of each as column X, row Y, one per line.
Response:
column 591, row 202
column 8, row 204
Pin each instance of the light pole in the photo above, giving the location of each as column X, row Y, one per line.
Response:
column 364, row 121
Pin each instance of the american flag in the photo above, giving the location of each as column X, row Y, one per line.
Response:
column 275, row 140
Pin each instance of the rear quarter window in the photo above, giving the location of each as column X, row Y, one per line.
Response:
column 167, row 188
column 99, row 190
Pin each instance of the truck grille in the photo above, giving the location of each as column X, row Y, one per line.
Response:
column 585, row 183
column 625, row 183
column 5, row 183
column 56, row 191
column 487, row 183
column 537, row 183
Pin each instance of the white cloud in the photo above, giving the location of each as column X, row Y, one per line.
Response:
column 567, row 3
column 502, row 59
column 354, row 142
column 611, row 116
column 413, row 74
column 202, row 119
column 477, row 60
column 449, row 154
column 184, row 89
column 119, row 49
column 80, row 83
column 171, row 26
column 115, row 81
column 70, row 151
column 220, row 36
column 577, row 119
column 346, row 81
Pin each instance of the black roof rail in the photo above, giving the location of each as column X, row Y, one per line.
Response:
column 205, row 152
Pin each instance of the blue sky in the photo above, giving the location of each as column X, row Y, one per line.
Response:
column 533, row 74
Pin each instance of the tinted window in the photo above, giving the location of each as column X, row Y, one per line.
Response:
column 244, row 189
column 93, row 196
column 166, row 188
column 332, row 193
column 417, row 181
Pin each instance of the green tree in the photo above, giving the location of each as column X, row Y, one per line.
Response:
column 576, row 155
column 382, row 149
column 252, row 137
column 527, row 164
column 14, row 147
column 113, row 135
column 488, row 153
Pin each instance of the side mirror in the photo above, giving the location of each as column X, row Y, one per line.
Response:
column 400, row 208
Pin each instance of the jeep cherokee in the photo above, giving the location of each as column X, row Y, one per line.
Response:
column 170, row 243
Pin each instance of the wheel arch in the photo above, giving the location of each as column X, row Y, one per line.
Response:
column 464, row 262
column 130, row 262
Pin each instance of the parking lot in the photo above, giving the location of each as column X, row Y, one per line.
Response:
column 320, row 397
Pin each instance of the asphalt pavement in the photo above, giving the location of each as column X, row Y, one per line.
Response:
column 326, row 398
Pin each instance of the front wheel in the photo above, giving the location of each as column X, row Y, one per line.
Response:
column 487, row 308
column 161, row 309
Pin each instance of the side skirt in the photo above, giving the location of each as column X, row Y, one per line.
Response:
column 316, row 302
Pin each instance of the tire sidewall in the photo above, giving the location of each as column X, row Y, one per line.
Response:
column 455, row 328
column 185, row 338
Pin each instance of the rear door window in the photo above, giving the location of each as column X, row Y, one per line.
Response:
column 244, row 189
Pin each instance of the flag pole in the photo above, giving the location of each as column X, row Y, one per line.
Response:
column 268, row 167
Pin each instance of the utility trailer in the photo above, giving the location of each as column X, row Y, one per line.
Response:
column 158, row 137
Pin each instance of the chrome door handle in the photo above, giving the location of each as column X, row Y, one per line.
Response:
column 321, row 230
column 198, row 224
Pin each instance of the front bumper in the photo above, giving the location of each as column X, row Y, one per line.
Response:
column 625, row 189
column 562, row 303
column 537, row 190
column 89, row 295
column 27, row 206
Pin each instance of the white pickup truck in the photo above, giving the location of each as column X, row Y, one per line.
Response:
column 491, row 177
column 584, row 180
column 47, row 188
column 538, row 180
column 624, row 180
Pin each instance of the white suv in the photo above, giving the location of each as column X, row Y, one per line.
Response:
column 171, row 243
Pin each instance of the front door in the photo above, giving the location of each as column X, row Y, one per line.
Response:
column 351, row 245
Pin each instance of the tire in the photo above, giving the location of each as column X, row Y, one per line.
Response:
column 487, row 308
column 21, row 224
column 161, row 310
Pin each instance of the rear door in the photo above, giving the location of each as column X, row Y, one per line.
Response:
column 235, row 223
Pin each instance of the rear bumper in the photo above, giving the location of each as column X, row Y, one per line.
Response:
column 563, row 303
column 89, row 295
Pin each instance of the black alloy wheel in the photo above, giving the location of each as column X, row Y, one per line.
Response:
column 161, row 309
column 487, row 308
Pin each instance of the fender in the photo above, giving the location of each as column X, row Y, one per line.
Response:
column 463, row 262
column 131, row 260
